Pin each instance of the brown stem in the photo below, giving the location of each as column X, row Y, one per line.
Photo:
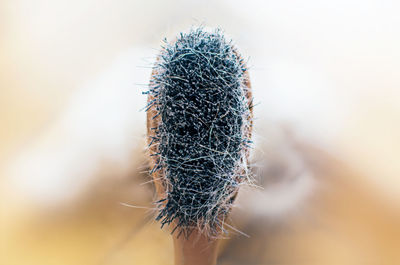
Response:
column 197, row 249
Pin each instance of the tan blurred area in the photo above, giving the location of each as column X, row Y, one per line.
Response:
column 73, row 181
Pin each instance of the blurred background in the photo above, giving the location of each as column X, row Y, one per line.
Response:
column 325, row 76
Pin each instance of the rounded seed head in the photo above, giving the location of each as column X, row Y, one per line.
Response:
column 199, row 121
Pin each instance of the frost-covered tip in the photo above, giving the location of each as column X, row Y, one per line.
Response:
column 200, row 127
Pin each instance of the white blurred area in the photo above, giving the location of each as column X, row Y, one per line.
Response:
column 101, row 123
column 72, row 73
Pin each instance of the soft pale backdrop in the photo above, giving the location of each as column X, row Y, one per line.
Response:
column 326, row 79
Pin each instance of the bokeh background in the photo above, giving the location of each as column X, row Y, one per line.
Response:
column 73, row 181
